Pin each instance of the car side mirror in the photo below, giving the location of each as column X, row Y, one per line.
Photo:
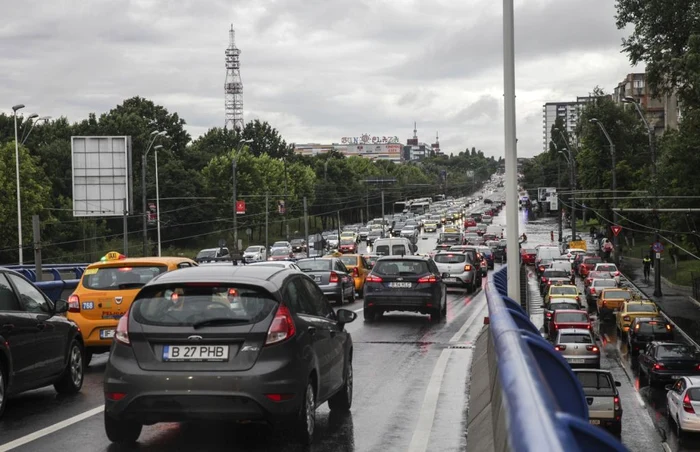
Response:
column 668, row 387
column 345, row 316
column 60, row 307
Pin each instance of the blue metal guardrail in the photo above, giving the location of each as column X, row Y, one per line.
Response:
column 544, row 402
column 56, row 287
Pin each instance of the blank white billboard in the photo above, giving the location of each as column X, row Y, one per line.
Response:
column 101, row 176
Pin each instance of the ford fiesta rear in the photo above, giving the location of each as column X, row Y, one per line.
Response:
column 202, row 351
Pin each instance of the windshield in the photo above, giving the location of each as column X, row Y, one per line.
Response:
column 558, row 306
column 206, row 253
column 184, row 305
column 556, row 274
column 674, row 351
column 596, row 383
column 618, row 294
column 563, row 290
column 332, row 237
column 653, row 327
column 297, row 242
column 575, row 317
column 530, row 251
column 279, row 252
column 309, row 265
column 375, row 232
column 606, row 268
column 383, row 250
column 120, row 278
column 252, row 249
column 575, row 338
column 279, row 244
column 349, row 261
column 347, row 242
column 450, row 258
column 604, row 283
column 400, row 267
column 641, row 307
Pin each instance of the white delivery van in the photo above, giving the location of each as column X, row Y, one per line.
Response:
column 394, row 246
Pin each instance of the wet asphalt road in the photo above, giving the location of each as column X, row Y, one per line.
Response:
column 395, row 360
column 644, row 423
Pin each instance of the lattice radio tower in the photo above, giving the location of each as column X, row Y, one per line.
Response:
column 233, row 88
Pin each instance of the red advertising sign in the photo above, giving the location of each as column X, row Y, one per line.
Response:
column 616, row 229
column 240, row 207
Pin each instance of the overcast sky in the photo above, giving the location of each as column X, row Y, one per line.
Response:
column 317, row 70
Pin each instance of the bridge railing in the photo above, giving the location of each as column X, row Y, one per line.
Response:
column 543, row 404
column 57, row 281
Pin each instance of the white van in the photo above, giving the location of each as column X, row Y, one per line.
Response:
column 546, row 252
column 394, row 246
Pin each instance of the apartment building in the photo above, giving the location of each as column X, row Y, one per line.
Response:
column 661, row 112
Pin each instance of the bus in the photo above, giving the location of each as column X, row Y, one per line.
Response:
column 400, row 207
column 420, row 208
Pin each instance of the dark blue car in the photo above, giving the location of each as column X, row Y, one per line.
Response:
column 487, row 254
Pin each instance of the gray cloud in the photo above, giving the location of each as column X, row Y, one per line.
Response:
column 317, row 70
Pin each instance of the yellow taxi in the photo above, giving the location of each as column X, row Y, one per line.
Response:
column 359, row 268
column 106, row 291
column 562, row 291
column 430, row 226
column 349, row 235
column 635, row 308
column 611, row 300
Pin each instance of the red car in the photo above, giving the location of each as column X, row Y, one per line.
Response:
column 587, row 265
column 528, row 256
column 469, row 222
column 568, row 318
column 348, row 246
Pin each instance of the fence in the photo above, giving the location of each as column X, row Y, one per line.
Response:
column 542, row 400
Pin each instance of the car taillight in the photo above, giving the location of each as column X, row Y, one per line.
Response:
column 626, row 318
column 467, row 268
column 282, row 326
column 355, row 272
column 659, row 366
column 373, row 278
column 588, row 326
column 592, row 290
column 578, row 298
column 541, row 268
column 616, row 406
column 605, row 302
column 122, row 333
column 74, row 303
column 549, row 283
column 427, row 279
column 549, row 315
column 592, row 348
column 560, row 347
column 697, row 367
column 687, row 406
column 334, row 277
column 544, row 279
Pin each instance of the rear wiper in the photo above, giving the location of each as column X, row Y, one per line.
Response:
column 218, row 321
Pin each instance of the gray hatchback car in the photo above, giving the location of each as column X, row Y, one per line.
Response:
column 245, row 343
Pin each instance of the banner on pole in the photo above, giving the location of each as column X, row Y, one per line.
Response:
column 240, row 207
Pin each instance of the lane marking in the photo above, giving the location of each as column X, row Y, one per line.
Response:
column 359, row 310
column 48, row 430
column 421, row 436
column 467, row 324
column 641, row 400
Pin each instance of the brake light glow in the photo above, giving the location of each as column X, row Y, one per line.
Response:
column 578, row 298
column 560, row 347
column 616, row 401
column 282, row 326
column 115, row 396
column 687, row 406
column 659, row 366
column 549, row 315
column 279, row 397
column 592, row 348
column 544, row 279
column 334, row 277
column 122, row 333
column 592, row 290
column 427, row 279
column 124, row 269
column 373, row 278
column 355, row 272
column 467, row 268
column 74, row 303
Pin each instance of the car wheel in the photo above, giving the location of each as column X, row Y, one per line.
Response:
column 306, row 423
column 121, row 431
column 679, row 430
column 435, row 315
column 368, row 314
column 352, row 294
column 71, row 380
column 3, row 387
column 444, row 307
column 643, row 379
column 342, row 400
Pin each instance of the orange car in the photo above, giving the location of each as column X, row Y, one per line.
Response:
column 359, row 268
column 106, row 291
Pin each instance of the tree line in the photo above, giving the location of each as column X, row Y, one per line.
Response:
column 195, row 184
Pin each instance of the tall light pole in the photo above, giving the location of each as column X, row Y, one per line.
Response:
column 154, row 135
column 572, row 163
column 650, row 133
column 614, row 177
column 155, row 150
column 19, row 202
column 27, row 120
column 43, row 118
column 234, row 164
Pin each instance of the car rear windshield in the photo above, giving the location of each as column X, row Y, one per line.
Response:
column 571, row 317
column 563, row 290
column 383, row 250
column 556, row 274
column 252, row 249
column 575, row 339
column 120, row 278
column 618, row 294
column 694, row 394
column 674, row 351
column 206, row 253
column 560, row 306
column 596, row 383
column 376, row 232
column 450, row 258
column 592, row 260
column 606, row 268
column 311, row 265
column 641, row 307
column 652, row 327
column 530, row 251
column 279, row 252
column 604, row 283
column 401, row 267
column 349, row 261
column 202, row 305
column 279, row 244
column 449, row 236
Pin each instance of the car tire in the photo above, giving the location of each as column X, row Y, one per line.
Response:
column 121, row 431
column 443, row 311
column 342, row 400
column 87, row 358
column 643, row 379
column 352, row 294
column 3, row 389
column 71, row 380
column 436, row 315
column 368, row 314
column 306, row 419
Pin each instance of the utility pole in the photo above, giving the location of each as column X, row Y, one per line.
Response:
column 338, row 212
column 267, row 222
column 614, row 187
column 573, row 196
column 306, row 227
column 657, row 270
column 36, row 228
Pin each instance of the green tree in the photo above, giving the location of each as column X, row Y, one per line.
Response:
column 266, row 139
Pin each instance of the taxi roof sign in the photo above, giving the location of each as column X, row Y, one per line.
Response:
column 112, row 256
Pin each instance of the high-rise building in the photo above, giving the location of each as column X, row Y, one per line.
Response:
column 568, row 111
column 233, row 86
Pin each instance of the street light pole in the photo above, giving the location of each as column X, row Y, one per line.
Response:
column 234, row 165
column 155, row 134
column 19, row 202
column 43, row 118
column 155, row 149
column 614, row 179
column 572, row 178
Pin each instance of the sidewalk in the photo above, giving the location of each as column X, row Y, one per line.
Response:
column 674, row 302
